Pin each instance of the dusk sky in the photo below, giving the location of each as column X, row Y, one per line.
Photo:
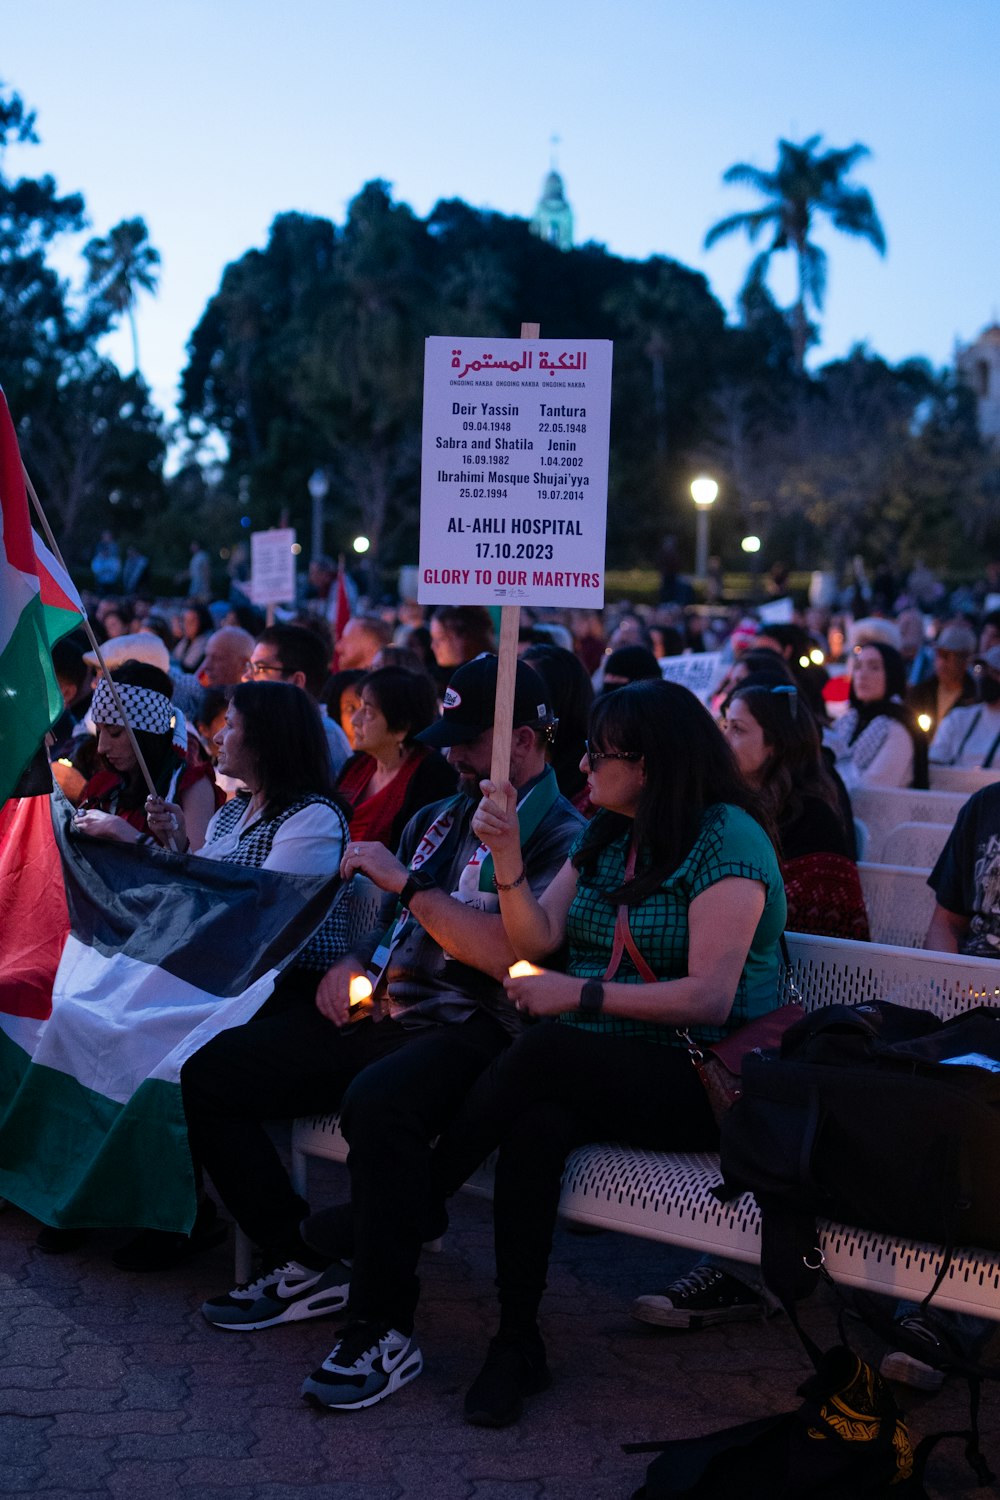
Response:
column 208, row 117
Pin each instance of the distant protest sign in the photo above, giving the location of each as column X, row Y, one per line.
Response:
column 272, row 566
column 514, row 475
column 700, row 673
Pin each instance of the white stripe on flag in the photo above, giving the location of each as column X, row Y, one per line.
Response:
column 118, row 1021
column 17, row 590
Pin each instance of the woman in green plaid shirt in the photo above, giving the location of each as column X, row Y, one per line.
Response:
column 680, row 842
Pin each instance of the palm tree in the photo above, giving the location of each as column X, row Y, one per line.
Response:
column 119, row 267
column 804, row 184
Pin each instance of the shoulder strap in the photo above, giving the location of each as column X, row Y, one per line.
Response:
column 624, row 942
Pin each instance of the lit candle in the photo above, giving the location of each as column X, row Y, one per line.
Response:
column 360, row 990
column 925, row 721
column 522, row 969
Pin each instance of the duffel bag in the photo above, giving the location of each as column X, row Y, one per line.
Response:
column 875, row 1116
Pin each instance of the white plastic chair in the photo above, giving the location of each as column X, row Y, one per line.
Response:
column 914, row 844
column 899, row 903
column 883, row 808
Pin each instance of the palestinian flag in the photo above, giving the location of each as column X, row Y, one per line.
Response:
column 164, row 952
column 38, row 606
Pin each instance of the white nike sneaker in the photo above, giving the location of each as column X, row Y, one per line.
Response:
column 286, row 1294
column 366, row 1365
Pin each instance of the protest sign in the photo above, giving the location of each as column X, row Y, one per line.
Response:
column 514, row 473
column 700, row 673
column 272, row 566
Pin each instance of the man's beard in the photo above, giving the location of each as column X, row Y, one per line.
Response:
column 468, row 785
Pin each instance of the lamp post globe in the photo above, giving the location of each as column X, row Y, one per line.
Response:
column 704, row 491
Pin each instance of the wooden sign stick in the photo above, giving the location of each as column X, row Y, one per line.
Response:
column 510, row 625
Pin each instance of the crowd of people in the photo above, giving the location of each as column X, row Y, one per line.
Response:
column 544, row 938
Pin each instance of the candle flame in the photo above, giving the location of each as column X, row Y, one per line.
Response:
column 360, row 990
column 523, row 970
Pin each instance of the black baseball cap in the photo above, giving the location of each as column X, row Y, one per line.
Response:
column 470, row 700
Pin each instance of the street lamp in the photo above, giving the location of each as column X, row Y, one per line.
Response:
column 319, row 488
column 703, row 493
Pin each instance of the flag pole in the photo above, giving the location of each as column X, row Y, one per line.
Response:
column 510, row 624
column 54, row 545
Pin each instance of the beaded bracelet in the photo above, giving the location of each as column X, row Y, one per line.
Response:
column 514, row 883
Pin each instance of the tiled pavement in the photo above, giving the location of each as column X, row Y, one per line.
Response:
column 113, row 1388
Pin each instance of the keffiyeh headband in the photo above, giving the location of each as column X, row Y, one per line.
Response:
column 147, row 710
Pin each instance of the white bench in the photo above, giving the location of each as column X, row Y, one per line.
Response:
column 883, row 808
column 668, row 1197
column 899, row 903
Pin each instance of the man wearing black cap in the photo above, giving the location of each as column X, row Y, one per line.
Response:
column 440, row 953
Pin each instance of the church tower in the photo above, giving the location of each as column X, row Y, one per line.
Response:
column 553, row 218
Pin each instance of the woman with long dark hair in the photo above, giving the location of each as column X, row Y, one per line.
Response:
column 875, row 742
column 676, row 883
column 776, row 742
column 289, row 818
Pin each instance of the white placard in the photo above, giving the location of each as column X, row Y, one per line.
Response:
column 514, row 474
column 272, row 566
column 700, row 673
column 778, row 612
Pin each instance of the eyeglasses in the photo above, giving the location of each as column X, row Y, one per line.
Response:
column 594, row 757
column 262, row 668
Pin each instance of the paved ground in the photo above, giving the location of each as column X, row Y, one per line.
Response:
column 115, row 1389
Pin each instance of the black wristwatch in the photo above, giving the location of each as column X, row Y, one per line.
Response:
column 416, row 880
column 592, row 998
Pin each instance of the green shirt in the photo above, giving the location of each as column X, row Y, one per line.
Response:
column 729, row 843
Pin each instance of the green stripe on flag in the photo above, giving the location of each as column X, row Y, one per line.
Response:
column 59, row 622
column 30, row 700
column 73, row 1158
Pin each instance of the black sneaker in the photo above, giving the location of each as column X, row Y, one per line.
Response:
column 698, row 1300
column 366, row 1364
column 515, row 1367
column 288, row 1293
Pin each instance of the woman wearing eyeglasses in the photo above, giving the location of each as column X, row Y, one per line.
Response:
column 675, row 882
column 776, row 742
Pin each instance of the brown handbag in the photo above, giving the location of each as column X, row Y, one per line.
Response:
column 719, row 1065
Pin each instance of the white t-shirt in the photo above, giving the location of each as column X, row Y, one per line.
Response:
column 310, row 842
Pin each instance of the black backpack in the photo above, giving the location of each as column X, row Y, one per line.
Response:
column 876, row 1116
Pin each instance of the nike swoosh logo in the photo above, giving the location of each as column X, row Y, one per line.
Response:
column 390, row 1361
column 286, row 1290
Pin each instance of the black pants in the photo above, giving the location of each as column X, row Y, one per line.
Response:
column 556, row 1088
column 287, row 1060
column 396, row 1087
column 391, row 1114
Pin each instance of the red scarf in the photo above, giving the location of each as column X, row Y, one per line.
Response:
column 373, row 818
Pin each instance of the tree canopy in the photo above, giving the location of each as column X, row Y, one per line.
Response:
column 88, row 434
column 805, row 185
